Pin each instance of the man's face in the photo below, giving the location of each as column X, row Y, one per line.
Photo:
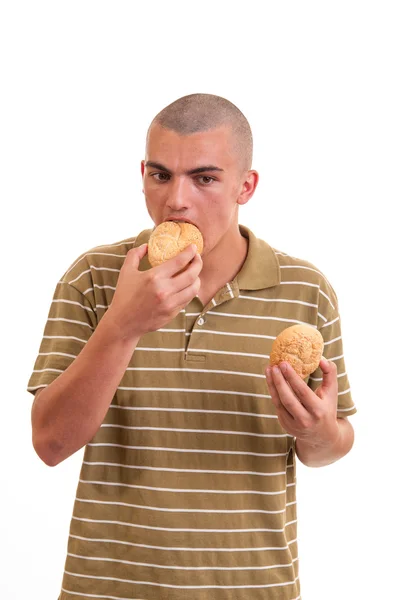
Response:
column 195, row 177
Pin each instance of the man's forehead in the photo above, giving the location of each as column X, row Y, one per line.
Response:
column 212, row 148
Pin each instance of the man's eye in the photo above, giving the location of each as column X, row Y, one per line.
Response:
column 206, row 179
column 160, row 176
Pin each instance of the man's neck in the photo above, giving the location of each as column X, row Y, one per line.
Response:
column 222, row 264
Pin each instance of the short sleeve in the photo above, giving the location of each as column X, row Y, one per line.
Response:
column 329, row 325
column 70, row 323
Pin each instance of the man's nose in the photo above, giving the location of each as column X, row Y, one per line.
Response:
column 178, row 194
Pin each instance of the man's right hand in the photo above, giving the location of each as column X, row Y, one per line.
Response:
column 145, row 301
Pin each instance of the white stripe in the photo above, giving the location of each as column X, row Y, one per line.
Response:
column 70, row 321
column 327, row 298
column 345, row 392
column 36, row 387
column 58, row 353
column 183, row 587
column 301, row 267
column 255, row 549
column 171, row 330
column 103, row 287
column 346, row 409
column 224, row 352
column 239, row 316
column 322, row 317
column 124, row 243
column 213, row 302
column 159, row 349
column 278, row 300
column 77, row 304
column 184, row 510
column 196, row 371
column 106, row 597
column 182, row 430
column 195, row 410
column 170, row 470
column 230, row 290
column 187, row 450
column 185, row 491
column 174, row 529
column 92, row 254
column 245, row 335
column 321, row 378
column 140, row 564
column 193, row 314
column 299, row 283
column 64, row 337
column 330, row 323
column 336, row 357
column 96, row 269
column 189, row 390
column 333, row 340
column 43, row 370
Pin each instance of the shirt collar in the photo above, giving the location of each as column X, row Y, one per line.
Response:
column 260, row 269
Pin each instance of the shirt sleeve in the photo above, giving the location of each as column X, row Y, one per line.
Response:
column 70, row 323
column 329, row 325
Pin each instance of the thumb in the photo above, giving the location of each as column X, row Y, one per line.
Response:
column 136, row 254
column 329, row 371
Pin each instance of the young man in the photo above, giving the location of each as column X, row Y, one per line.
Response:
column 187, row 487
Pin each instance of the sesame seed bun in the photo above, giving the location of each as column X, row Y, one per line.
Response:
column 170, row 238
column 301, row 346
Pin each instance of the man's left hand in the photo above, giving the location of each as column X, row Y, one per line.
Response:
column 307, row 415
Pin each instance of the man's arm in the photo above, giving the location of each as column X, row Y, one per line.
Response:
column 68, row 413
column 314, row 455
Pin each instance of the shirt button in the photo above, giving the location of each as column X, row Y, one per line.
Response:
column 201, row 321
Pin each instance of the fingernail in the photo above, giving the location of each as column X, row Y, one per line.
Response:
column 195, row 248
column 276, row 370
column 284, row 368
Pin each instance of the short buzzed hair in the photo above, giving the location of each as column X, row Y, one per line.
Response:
column 200, row 112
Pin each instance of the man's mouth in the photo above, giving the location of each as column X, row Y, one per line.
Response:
column 181, row 220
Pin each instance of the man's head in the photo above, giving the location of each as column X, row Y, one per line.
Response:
column 197, row 165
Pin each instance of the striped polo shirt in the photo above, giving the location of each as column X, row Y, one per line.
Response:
column 187, row 490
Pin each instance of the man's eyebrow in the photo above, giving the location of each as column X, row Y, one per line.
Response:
column 205, row 168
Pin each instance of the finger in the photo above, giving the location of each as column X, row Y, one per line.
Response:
column 189, row 274
column 287, row 396
column 177, row 263
column 300, row 389
column 272, row 389
column 184, row 297
column 329, row 371
column 135, row 255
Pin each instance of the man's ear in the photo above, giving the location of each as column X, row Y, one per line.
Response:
column 248, row 187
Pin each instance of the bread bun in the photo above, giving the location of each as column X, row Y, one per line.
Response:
column 169, row 239
column 301, row 346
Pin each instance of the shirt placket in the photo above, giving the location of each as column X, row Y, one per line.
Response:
column 197, row 317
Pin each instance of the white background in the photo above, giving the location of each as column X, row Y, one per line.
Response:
column 81, row 82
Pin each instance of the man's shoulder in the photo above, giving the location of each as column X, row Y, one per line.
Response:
column 300, row 270
column 108, row 256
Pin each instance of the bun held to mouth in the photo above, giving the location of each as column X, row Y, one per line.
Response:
column 301, row 346
column 170, row 238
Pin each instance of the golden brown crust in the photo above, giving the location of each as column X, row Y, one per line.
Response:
column 301, row 346
column 170, row 238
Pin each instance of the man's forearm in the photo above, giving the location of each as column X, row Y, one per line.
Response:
column 319, row 456
column 67, row 414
